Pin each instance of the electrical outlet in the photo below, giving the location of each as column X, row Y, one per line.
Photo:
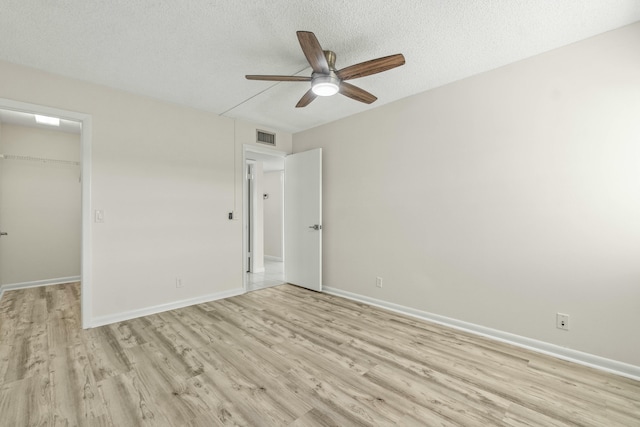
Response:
column 562, row 321
column 378, row 282
column 178, row 282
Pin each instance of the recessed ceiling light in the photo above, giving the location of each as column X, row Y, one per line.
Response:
column 46, row 120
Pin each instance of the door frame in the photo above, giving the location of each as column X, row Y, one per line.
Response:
column 249, row 210
column 85, row 171
column 250, row 148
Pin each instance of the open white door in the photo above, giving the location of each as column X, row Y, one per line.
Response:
column 303, row 219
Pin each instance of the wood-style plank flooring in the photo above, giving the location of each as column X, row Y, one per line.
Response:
column 282, row 356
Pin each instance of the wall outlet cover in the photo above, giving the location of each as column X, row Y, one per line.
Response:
column 378, row 282
column 562, row 321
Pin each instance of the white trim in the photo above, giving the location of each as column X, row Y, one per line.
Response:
column 85, row 168
column 86, row 284
column 586, row 359
column 273, row 258
column 264, row 150
column 37, row 283
column 127, row 315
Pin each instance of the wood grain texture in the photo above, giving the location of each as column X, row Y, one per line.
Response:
column 275, row 78
column 313, row 52
column 370, row 67
column 356, row 93
column 306, row 99
column 282, row 356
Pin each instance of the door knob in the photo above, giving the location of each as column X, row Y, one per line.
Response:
column 316, row 227
column 2, row 233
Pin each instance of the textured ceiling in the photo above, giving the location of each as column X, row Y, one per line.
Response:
column 197, row 52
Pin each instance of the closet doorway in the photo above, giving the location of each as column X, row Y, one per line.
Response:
column 40, row 203
column 81, row 171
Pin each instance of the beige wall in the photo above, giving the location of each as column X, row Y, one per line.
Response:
column 167, row 177
column 40, row 206
column 500, row 199
column 273, row 207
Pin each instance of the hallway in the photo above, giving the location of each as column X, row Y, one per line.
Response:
column 272, row 276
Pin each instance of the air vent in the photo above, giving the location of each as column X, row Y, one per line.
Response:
column 265, row 137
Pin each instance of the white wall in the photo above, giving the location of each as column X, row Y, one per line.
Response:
column 500, row 199
column 41, row 206
column 167, row 177
column 273, row 207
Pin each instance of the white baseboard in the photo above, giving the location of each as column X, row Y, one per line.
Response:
column 586, row 359
column 273, row 258
column 36, row 283
column 128, row 315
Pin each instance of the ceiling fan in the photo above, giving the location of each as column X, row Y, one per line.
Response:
column 325, row 79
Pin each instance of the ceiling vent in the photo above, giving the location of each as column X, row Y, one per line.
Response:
column 265, row 137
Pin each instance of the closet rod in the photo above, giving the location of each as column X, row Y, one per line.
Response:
column 38, row 159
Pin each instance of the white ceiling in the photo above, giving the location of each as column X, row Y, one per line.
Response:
column 197, row 52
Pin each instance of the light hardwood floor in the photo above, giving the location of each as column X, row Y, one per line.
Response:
column 282, row 356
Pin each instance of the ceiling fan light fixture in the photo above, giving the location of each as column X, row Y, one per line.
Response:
column 325, row 85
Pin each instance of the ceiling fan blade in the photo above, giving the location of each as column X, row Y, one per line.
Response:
column 313, row 51
column 371, row 67
column 356, row 93
column 279, row 78
column 306, row 99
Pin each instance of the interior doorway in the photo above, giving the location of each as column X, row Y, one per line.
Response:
column 40, row 204
column 85, row 189
column 263, row 218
